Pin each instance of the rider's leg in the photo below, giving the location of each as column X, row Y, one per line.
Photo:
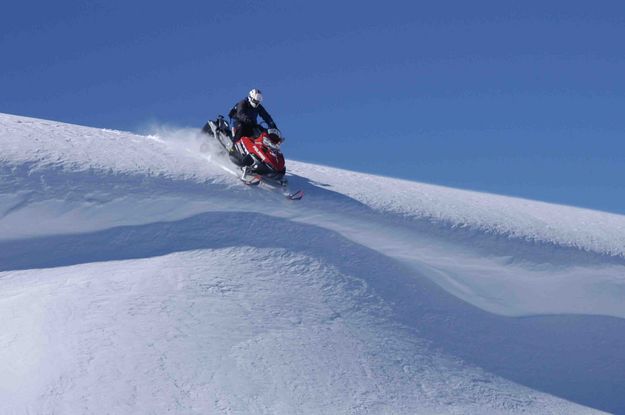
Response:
column 242, row 130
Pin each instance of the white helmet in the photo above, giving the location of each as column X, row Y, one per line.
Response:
column 255, row 97
column 273, row 138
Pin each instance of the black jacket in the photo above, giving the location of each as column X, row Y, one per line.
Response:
column 244, row 113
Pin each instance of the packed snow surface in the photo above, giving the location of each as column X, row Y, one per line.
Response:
column 138, row 275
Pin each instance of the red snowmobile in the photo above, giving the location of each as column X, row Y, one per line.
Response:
column 258, row 156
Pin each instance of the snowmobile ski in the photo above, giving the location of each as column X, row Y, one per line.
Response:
column 281, row 188
column 261, row 182
column 251, row 180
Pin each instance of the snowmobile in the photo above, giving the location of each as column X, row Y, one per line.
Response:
column 259, row 157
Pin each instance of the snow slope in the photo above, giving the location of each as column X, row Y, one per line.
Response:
column 139, row 276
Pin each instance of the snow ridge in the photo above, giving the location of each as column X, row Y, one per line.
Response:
column 52, row 144
column 525, row 220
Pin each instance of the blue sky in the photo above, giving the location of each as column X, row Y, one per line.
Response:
column 525, row 98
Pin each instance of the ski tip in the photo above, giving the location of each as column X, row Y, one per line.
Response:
column 296, row 196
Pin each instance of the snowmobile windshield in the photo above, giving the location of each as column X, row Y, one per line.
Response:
column 272, row 141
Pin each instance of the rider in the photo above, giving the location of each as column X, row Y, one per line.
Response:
column 245, row 113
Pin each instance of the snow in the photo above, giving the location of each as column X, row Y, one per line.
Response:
column 137, row 275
